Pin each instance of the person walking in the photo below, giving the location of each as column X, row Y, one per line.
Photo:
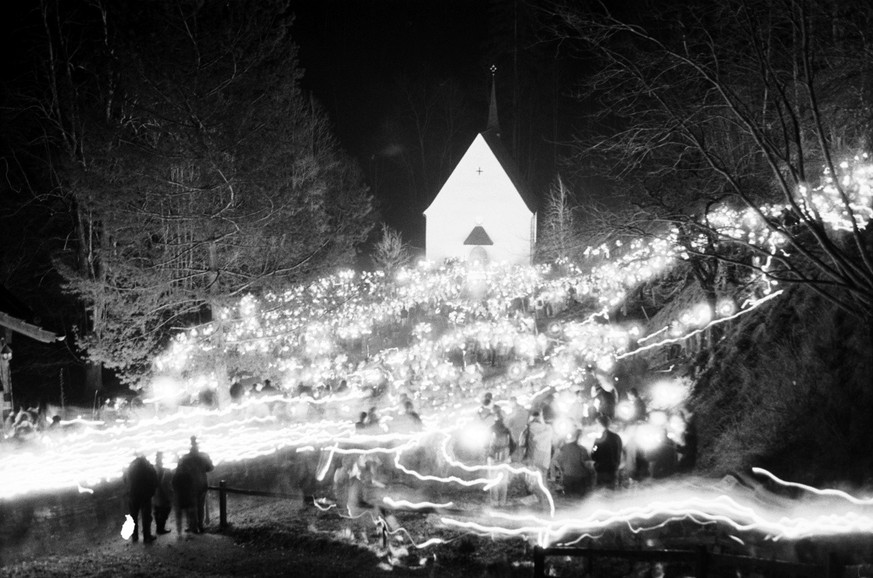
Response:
column 500, row 449
column 408, row 421
column 191, row 480
column 516, row 417
column 141, row 480
column 606, row 454
column 537, row 439
column 184, row 498
column 572, row 460
column 486, row 410
column 163, row 499
column 640, row 412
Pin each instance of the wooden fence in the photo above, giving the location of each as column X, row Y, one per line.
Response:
column 704, row 562
column 223, row 491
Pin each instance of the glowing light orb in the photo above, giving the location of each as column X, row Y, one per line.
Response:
column 475, row 436
column 606, row 363
column 625, row 411
column 668, row 394
column 648, row 437
column 127, row 527
column 726, row 307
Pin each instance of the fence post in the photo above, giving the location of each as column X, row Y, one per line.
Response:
column 539, row 562
column 222, row 505
column 702, row 564
column 833, row 569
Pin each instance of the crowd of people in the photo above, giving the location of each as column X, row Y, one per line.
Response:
column 567, row 448
column 154, row 491
column 27, row 423
column 596, row 441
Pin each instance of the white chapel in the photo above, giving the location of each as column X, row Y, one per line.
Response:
column 483, row 213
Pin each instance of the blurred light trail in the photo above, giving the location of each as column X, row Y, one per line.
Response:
column 753, row 305
column 406, row 504
column 826, row 492
column 739, row 508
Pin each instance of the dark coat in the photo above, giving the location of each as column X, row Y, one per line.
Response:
column 501, row 446
column 141, row 479
column 184, row 494
column 197, row 464
column 190, row 480
column 164, row 493
column 606, row 452
column 571, row 459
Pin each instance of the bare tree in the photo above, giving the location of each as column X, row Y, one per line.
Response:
column 559, row 237
column 737, row 124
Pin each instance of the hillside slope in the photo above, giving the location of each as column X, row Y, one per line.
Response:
column 788, row 388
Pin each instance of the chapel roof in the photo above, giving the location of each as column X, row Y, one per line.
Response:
column 492, row 138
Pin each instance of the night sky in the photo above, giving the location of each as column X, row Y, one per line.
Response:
column 358, row 55
column 353, row 52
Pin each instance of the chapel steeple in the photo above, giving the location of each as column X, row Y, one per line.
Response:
column 493, row 123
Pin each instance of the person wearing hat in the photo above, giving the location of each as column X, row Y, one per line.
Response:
column 190, row 480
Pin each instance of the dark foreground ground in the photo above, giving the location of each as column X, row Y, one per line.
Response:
column 280, row 538
column 270, row 537
column 287, row 537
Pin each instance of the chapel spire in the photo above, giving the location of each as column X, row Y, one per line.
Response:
column 493, row 123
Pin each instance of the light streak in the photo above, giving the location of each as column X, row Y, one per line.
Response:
column 652, row 335
column 494, row 530
column 323, row 470
column 508, row 468
column 406, row 504
column 430, row 542
column 744, row 511
column 580, row 538
column 826, row 492
column 686, row 336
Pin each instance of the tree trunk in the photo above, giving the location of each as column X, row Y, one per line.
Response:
column 93, row 380
column 222, row 382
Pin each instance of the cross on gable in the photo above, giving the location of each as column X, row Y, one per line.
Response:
column 479, row 170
